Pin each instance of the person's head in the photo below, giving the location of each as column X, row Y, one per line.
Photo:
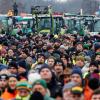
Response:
column 23, row 54
column 12, row 67
column 77, row 93
column 44, row 47
column 64, row 59
column 57, row 44
column 96, row 95
column 3, row 80
column 62, row 48
column 51, row 61
column 58, row 95
column 80, row 61
column 97, row 47
column 12, row 81
column 40, row 86
column 97, row 57
column 59, row 67
column 23, row 88
column 40, row 58
column 50, row 49
column 29, row 60
column 79, row 46
column 76, row 76
column 22, row 66
column 67, row 95
column 45, row 73
column 10, row 52
column 67, row 75
column 93, row 66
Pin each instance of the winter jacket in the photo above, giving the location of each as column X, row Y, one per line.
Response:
column 87, row 92
column 47, row 97
column 8, row 95
column 53, row 86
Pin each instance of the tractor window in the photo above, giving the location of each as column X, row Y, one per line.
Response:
column 44, row 23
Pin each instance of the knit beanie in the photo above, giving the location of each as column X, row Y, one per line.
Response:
column 43, row 66
column 13, row 64
column 94, row 63
column 77, row 71
column 23, row 85
column 22, row 64
column 41, row 82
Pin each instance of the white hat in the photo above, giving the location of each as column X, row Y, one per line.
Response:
column 32, row 77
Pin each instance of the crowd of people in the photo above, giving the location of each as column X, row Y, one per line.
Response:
column 50, row 67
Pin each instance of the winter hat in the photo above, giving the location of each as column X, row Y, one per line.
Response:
column 87, row 58
column 62, row 47
column 24, row 85
column 13, row 64
column 86, row 46
column 22, row 64
column 69, row 85
column 60, row 62
column 94, row 63
column 32, row 77
column 13, row 75
column 77, row 90
column 40, row 54
column 41, row 82
column 77, row 71
column 4, row 76
column 97, row 53
column 43, row 66
column 79, row 43
column 97, row 46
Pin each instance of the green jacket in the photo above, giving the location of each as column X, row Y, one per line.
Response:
column 47, row 97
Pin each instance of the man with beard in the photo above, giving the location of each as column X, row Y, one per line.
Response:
column 10, row 91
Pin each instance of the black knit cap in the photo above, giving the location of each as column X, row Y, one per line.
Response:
column 60, row 62
column 13, row 64
column 40, row 54
column 22, row 64
column 94, row 63
column 43, row 66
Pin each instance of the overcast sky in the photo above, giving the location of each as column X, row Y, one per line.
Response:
column 58, row 5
